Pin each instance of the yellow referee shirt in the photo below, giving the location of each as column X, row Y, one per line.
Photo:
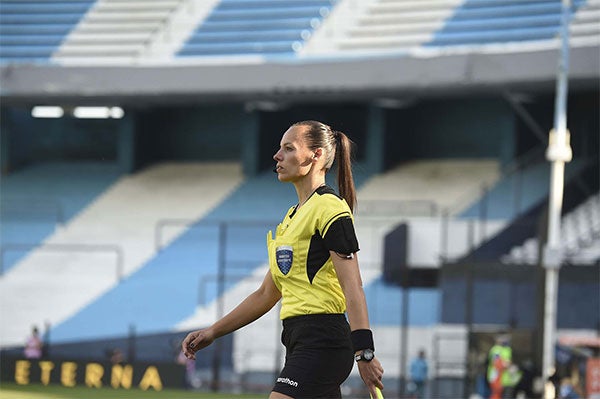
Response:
column 299, row 254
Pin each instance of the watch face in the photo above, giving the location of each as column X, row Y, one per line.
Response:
column 368, row 354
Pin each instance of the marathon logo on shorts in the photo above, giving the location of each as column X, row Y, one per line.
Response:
column 285, row 380
column 284, row 256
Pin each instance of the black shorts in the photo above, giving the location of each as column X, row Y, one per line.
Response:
column 318, row 358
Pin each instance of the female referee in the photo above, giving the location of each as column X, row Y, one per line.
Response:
column 314, row 270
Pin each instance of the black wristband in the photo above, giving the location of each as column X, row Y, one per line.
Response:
column 362, row 339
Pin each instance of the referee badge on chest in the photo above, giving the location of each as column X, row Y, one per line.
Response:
column 284, row 255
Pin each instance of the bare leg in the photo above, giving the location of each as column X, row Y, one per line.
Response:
column 277, row 395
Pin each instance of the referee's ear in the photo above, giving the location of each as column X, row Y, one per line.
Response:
column 317, row 155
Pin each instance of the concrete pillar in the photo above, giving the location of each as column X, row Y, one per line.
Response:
column 250, row 148
column 126, row 143
column 375, row 139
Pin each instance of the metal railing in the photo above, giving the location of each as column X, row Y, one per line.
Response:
column 397, row 207
column 66, row 248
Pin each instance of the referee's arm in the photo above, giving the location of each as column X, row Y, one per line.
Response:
column 254, row 306
column 346, row 268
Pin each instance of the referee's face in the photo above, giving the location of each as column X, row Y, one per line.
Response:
column 294, row 159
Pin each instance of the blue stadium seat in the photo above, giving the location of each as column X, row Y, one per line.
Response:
column 260, row 27
column 18, row 29
column 267, row 13
column 232, row 4
column 30, row 40
column 32, row 30
column 255, row 36
column 27, row 51
column 33, row 19
column 254, row 26
column 503, row 23
column 37, row 7
column 241, row 42
column 277, row 47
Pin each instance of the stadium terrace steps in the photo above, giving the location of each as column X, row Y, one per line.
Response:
column 31, row 31
column 580, row 237
column 128, row 31
column 376, row 25
column 520, row 199
column 183, row 272
column 586, row 22
column 402, row 25
column 37, row 200
column 137, row 22
column 448, row 184
column 239, row 21
column 531, row 184
column 531, row 15
column 121, row 222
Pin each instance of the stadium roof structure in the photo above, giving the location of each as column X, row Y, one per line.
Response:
column 206, row 51
column 396, row 76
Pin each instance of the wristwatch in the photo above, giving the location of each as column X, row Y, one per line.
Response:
column 366, row 355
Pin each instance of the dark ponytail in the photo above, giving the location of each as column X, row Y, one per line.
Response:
column 338, row 147
column 343, row 159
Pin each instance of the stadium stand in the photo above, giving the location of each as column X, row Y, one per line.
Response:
column 38, row 201
column 180, row 191
column 266, row 27
column 32, row 31
column 517, row 192
column 389, row 26
column 429, row 186
column 580, row 237
column 117, row 31
column 525, row 223
column 378, row 26
column 132, row 31
column 481, row 22
column 193, row 255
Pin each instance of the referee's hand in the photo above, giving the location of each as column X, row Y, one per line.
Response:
column 371, row 373
column 195, row 341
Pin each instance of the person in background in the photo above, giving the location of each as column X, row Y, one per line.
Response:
column 116, row 356
column 525, row 384
column 33, row 345
column 567, row 390
column 418, row 374
column 189, row 379
column 500, row 358
column 314, row 271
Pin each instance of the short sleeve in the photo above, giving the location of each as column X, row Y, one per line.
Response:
column 341, row 237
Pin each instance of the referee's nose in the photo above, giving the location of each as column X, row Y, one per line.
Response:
column 277, row 156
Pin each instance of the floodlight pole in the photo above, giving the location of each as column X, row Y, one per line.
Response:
column 558, row 153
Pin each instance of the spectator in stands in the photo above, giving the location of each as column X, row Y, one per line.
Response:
column 418, row 374
column 314, row 270
column 33, row 345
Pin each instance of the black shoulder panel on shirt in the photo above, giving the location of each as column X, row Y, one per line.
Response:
column 341, row 237
column 327, row 190
column 317, row 256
